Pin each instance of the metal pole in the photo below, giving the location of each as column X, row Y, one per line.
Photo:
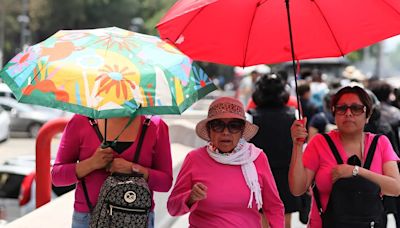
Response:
column 379, row 62
column 23, row 18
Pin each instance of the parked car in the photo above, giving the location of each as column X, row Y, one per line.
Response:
column 5, row 91
column 4, row 125
column 18, row 186
column 28, row 118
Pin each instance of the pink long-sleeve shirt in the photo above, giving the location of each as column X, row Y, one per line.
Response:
column 227, row 194
column 319, row 158
column 80, row 141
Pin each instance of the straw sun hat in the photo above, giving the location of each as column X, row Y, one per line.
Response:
column 226, row 107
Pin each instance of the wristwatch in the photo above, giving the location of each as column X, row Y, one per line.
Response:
column 355, row 170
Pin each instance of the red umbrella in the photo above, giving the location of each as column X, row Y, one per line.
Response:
column 249, row 32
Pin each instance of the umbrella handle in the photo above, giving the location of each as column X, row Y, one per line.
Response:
column 301, row 139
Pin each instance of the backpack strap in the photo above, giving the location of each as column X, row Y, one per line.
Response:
column 92, row 122
column 317, row 198
column 146, row 123
column 367, row 164
column 339, row 160
column 85, row 192
column 104, row 139
column 371, row 152
column 333, row 148
column 95, row 126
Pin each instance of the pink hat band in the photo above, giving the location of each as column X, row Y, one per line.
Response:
column 226, row 110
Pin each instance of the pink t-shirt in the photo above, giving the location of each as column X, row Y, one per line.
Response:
column 319, row 158
column 80, row 141
column 227, row 195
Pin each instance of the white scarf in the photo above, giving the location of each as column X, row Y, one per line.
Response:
column 244, row 154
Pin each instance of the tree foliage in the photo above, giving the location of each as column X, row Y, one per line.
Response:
column 49, row 16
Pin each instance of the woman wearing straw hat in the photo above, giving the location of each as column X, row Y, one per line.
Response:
column 351, row 168
column 226, row 182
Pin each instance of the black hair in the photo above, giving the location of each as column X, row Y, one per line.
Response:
column 270, row 91
column 360, row 92
column 381, row 89
column 303, row 88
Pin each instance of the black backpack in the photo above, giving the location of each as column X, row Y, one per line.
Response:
column 354, row 202
column 124, row 200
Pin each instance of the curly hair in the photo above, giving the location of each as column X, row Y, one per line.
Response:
column 270, row 91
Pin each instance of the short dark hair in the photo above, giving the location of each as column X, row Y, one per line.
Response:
column 381, row 89
column 360, row 92
column 303, row 88
column 284, row 75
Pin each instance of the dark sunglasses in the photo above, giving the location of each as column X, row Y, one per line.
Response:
column 234, row 126
column 356, row 109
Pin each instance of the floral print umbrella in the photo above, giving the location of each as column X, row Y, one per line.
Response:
column 107, row 72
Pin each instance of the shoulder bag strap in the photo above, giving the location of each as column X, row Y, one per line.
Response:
column 371, row 152
column 146, row 123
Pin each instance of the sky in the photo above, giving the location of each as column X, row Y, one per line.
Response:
column 391, row 43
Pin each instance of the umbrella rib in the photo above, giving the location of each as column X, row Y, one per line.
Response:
column 38, row 72
column 248, row 34
column 108, row 45
column 391, row 6
column 33, row 79
column 329, row 27
column 184, row 28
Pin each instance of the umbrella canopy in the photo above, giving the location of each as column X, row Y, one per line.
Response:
column 108, row 72
column 250, row 32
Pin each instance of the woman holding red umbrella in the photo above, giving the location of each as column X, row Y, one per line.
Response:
column 351, row 168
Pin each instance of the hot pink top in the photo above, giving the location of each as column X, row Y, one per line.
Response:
column 79, row 142
column 319, row 158
column 227, row 195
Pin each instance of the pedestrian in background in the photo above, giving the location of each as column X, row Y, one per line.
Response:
column 386, row 115
column 274, row 119
column 308, row 109
column 322, row 122
column 246, row 87
column 226, row 182
column 318, row 89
